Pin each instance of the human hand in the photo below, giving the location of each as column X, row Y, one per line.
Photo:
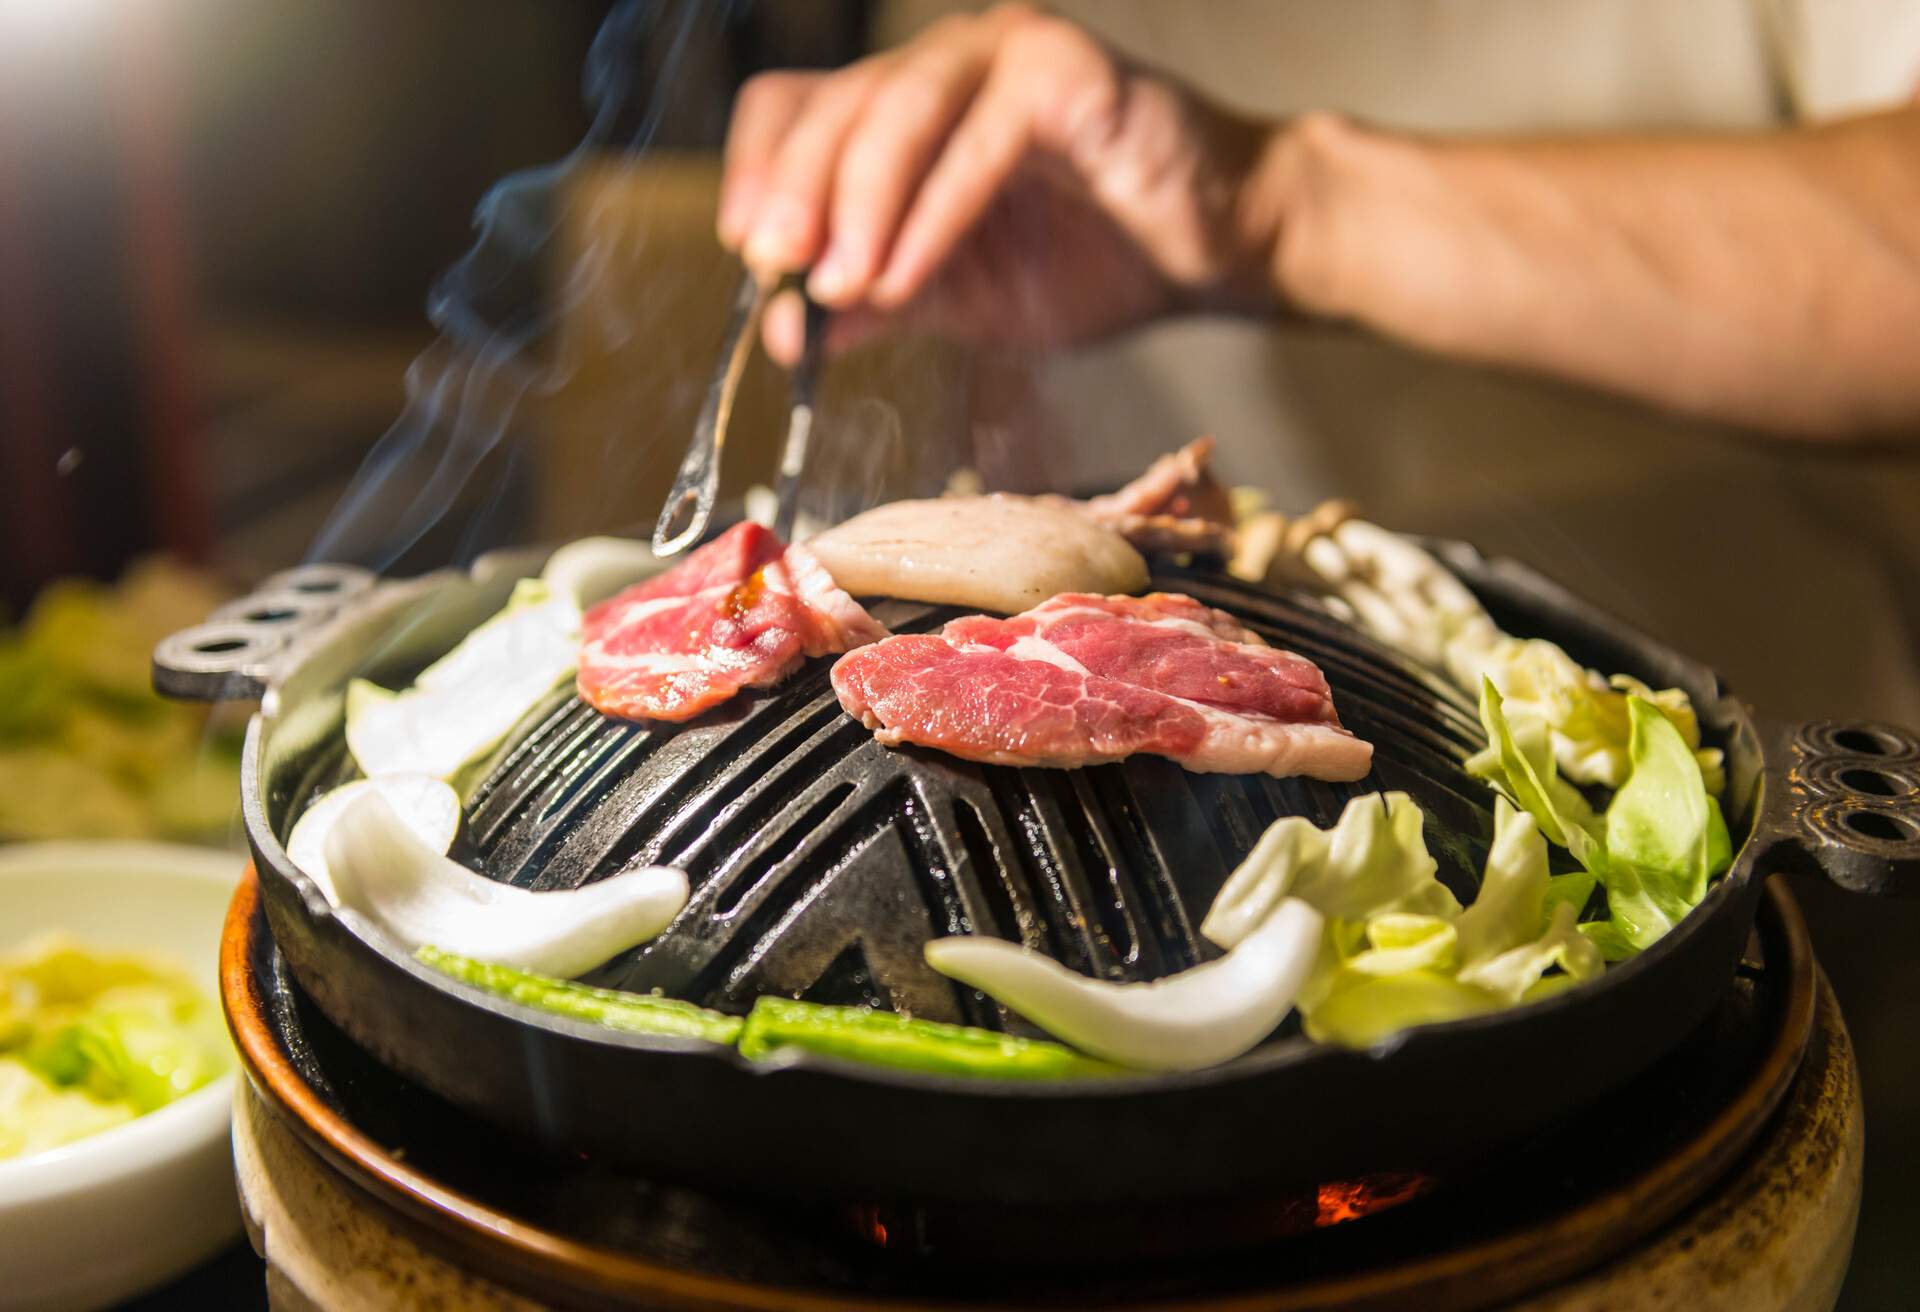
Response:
column 1002, row 177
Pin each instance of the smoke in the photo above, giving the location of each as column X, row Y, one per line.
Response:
column 454, row 464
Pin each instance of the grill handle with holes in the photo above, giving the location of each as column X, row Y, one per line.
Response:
column 1844, row 800
column 251, row 644
column 235, row 655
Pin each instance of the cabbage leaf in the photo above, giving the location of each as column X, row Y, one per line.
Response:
column 1397, row 969
column 1656, row 846
column 465, row 703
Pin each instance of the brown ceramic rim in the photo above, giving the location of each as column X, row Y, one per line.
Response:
column 1494, row 1271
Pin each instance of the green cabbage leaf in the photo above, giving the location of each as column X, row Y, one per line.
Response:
column 1654, row 849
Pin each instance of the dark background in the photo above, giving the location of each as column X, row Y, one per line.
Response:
column 218, row 222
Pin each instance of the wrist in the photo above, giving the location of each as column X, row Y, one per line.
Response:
column 1304, row 180
column 1280, row 252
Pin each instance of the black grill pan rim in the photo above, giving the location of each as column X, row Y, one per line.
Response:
column 1507, row 580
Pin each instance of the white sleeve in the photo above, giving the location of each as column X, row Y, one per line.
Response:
column 1840, row 57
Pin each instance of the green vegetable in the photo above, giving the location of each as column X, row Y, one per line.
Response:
column 36, row 1115
column 635, row 1013
column 1373, row 861
column 88, row 1041
column 1370, row 1009
column 593, row 569
column 145, row 1045
column 857, row 1033
column 1659, row 842
column 86, row 747
column 884, row 1038
column 1583, row 717
column 1392, row 969
column 1520, row 763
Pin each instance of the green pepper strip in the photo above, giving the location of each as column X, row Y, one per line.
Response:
column 879, row 1038
column 884, row 1038
column 635, row 1013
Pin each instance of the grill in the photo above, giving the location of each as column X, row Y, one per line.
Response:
column 821, row 863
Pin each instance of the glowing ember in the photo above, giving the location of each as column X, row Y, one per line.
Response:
column 1349, row 1200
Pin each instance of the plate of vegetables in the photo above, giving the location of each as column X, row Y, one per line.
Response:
column 116, row 1073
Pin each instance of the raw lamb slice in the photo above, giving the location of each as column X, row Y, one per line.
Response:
column 1176, row 505
column 741, row 612
column 1084, row 679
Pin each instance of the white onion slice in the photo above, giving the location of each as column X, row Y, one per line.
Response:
column 1196, row 1018
column 383, row 870
column 429, row 806
column 463, row 704
column 593, row 569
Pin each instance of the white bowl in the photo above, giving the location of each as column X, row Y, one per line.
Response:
column 105, row 1217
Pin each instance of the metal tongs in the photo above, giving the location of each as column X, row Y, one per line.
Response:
column 689, row 506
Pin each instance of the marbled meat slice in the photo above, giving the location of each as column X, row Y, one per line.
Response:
column 741, row 612
column 1085, row 679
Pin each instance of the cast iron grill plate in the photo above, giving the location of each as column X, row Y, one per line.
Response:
column 821, row 861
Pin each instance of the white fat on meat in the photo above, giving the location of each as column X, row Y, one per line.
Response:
column 1000, row 553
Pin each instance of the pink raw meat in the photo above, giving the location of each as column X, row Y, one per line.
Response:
column 741, row 612
column 1084, row 679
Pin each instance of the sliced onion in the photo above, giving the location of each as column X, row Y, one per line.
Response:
column 463, row 704
column 383, row 870
column 428, row 806
column 593, row 569
column 1196, row 1018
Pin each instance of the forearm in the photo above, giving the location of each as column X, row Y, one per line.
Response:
column 1772, row 280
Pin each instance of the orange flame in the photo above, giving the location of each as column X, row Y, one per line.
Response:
column 1349, row 1200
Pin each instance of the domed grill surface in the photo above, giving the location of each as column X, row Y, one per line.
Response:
column 821, row 862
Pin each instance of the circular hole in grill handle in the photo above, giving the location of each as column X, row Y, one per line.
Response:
column 1849, row 800
column 1879, row 827
column 1872, row 782
column 1863, row 741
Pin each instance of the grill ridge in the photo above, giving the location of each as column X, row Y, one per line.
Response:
column 594, row 768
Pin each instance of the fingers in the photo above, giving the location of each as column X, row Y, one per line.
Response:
column 783, row 328
column 975, row 164
column 1050, row 84
column 822, row 167
column 906, row 124
column 886, row 156
column 765, row 108
column 790, row 225
column 874, row 176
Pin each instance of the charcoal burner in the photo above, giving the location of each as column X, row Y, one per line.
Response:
column 1745, row 1138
